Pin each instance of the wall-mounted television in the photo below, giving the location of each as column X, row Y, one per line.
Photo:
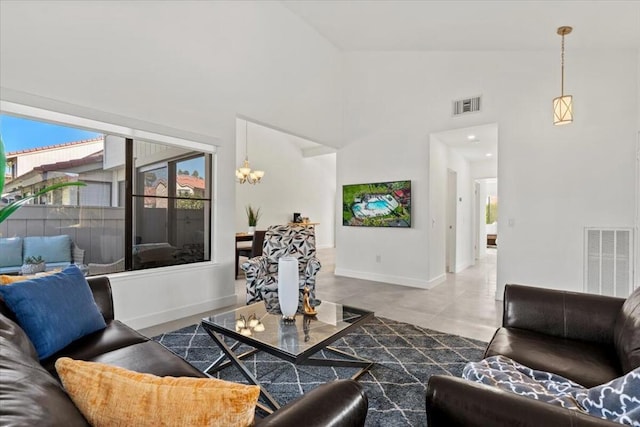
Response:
column 381, row 204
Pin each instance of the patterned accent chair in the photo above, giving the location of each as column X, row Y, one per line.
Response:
column 279, row 241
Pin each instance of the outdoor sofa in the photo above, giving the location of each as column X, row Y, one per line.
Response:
column 57, row 252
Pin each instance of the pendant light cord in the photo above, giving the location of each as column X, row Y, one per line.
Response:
column 562, row 68
column 246, row 138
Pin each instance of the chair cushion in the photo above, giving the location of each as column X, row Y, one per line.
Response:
column 54, row 310
column 116, row 335
column 10, row 252
column 149, row 357
column 110, row 395
column 627, row 333
column 50, row 248
column 584, row 363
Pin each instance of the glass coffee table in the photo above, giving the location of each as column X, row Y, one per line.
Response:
column 296, row 342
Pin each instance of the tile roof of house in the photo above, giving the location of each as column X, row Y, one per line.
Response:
column 91, row 158
column 190, row 181
column 51, row 147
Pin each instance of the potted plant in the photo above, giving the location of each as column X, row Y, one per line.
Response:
column 33, row 265
column 253, row 215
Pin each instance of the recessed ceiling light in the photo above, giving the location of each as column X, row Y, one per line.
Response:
column 471, row 137
column 488, row 154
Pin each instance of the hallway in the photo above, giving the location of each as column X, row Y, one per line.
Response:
column 463, row 305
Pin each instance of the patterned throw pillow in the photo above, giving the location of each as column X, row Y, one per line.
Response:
column 112, row 396
column 618, row 400
column 509, row 375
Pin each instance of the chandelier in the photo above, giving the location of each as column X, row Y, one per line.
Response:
column 244, row 172
column 563, row 105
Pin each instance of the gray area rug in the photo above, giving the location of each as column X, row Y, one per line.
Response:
column 405, row 355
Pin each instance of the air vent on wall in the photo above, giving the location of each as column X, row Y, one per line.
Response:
column 469, row 105
column 608, row 261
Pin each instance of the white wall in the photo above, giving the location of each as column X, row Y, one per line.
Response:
column 357, row 248
column 292, row 182
column 554, row 181
column 637, row 236
column 484, row 168
column 179, row 66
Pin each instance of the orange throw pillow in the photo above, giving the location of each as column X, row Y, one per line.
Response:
column 112, row 396
column 7, row 280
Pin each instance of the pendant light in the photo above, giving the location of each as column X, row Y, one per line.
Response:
column 244, row 172
column 563, row 105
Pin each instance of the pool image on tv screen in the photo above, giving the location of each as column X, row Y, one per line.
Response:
column 383, row 204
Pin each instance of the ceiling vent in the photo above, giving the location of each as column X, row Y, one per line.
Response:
column 468, row 105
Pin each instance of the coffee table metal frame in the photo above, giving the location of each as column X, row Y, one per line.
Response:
column 218, row 332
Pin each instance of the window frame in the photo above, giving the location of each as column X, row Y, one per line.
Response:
column 171, row 169
column 110, row 124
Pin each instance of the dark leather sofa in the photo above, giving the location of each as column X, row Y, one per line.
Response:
column 587, row 338
column 31, row 395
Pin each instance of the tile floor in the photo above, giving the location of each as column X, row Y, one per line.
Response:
column 464, row 304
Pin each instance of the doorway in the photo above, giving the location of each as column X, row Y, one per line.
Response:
column 486, row 215
column 459, row 161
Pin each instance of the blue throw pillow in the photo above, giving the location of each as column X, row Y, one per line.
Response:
column 11, row 252
column 54, row 310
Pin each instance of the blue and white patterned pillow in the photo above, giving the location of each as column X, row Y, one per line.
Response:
column 617, row 400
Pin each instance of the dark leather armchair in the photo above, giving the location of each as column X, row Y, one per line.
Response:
column 587, row 338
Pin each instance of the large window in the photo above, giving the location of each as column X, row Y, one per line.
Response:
column 171, row 206
column 144, row 204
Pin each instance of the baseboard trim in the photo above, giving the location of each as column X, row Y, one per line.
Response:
column 327, row 246
column 385, row 278
column 463, row 266
column 161, row 317
column 437, row 280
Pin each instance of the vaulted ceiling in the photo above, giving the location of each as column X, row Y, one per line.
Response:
column 401, row 25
